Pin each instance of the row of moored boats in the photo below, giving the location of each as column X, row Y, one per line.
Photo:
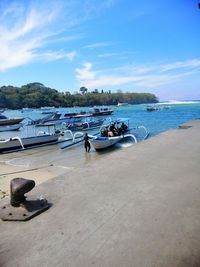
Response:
column 72, row 131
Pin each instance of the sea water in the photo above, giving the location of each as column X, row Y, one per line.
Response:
column 167, row 117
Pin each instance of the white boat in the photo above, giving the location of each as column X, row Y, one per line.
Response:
column 121, row 104
column 55, row 118
column 102, row 111
column 104, row 140
column 101, row 142
column 120, row 130
column 8, row 128
column 47, row 108
column 17, row 143
column 86, row 125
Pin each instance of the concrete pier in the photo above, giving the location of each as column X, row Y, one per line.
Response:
column 137, row 207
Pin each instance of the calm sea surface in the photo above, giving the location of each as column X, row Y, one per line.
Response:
column 156, row 121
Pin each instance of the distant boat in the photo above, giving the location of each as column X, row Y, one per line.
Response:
column 152, row 108
column 96, row 111
column 7, row 128
column 55, row 118
column 47, row 112
column 85, row 126
column 101, row 111
column 121, row 104
column 157, row 107
column 17, row 143
column 6, row 121
column 47, row 108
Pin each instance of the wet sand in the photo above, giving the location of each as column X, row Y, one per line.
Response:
column 134, row 207
column 44, row 163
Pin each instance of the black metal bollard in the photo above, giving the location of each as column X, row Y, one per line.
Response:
column 19, row 187
column 20, row 207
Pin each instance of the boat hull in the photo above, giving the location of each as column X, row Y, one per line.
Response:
column 10, row 121
column 58, row 121
column 14, row 144
column 8, row 128
column 102, row 113
column 105, row 142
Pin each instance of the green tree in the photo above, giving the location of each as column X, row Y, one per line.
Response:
column 83, row 90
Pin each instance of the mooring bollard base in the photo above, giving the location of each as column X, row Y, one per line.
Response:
column 27, row 210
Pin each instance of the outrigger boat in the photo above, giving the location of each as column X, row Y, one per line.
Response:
column 58, row 118
column 17, row 143
column 122, row 131
column 102, row 141
column 85, row 126
column 55, row 118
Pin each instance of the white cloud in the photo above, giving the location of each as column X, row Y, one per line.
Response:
column 156, row 80
column 28, row 28
column 22, row 35
column 149, row 75
column 51, row 56
column 106, row 55
column 97, row 45
column 181, row 64
column 86, row 73
column 71, row 55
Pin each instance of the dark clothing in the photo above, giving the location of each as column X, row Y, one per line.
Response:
column 112, row 127
column 87, row 143
column 124, row 127
column 87, row 146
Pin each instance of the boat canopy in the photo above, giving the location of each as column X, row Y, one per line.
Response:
column 120, row 120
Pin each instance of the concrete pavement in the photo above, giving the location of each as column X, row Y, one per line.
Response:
column 136, row 207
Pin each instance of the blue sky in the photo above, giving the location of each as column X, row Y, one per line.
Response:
column 141, row 46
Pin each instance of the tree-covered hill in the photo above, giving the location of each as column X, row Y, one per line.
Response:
column 36, row 95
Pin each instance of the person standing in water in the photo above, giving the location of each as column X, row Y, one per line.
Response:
column 87, row 143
